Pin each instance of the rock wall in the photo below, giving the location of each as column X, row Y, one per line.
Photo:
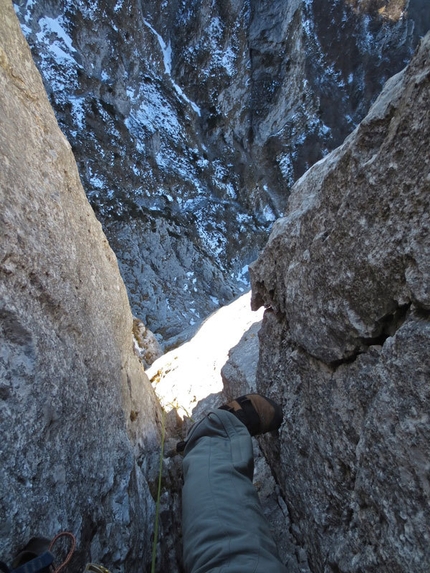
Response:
column 345, row 340
column 78, row 417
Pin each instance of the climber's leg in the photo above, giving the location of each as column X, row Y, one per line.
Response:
column 224, row 529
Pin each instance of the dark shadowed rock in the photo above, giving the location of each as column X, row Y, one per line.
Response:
column 78, row 416
column 345, row 342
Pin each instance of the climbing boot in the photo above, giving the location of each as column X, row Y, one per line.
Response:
column 258, row 413
column 34, row 558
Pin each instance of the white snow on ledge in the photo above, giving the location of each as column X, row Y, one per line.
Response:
column 167, row 57
column 50, row 25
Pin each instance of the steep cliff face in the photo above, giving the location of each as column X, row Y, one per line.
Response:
column 345, row 341
column 78, row 417
column 190, row 122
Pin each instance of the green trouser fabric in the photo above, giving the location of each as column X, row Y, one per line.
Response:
column 224, row 529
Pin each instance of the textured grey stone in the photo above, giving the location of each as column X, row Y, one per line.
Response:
column 345, row 340
column 176, row 284
column 78, row 416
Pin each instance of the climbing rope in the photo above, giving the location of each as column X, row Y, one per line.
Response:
column 71, row 550
column 157, row 506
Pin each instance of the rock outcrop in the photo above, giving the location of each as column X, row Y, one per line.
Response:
column 78, row 416
column 346, row 335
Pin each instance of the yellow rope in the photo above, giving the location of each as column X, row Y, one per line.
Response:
column 157, row 507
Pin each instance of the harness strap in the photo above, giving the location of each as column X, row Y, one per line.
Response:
column 37, row 564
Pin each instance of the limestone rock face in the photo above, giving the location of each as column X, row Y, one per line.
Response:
column 78, row 416
column 240, row 370
column 345, row 340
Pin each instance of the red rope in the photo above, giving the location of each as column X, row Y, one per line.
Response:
column 71, row 551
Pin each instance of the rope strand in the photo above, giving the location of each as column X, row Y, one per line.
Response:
column 157, row 507
column 71, row 551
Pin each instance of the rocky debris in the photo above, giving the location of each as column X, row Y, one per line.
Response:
column 344, row 342
column 79, row 420
column 146, row 345
column 191, row 121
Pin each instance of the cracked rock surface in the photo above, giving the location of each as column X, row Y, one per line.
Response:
column 345, row 342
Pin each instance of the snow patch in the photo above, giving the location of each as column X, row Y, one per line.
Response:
column 216, row 28
column 242, row 276
column 228, row 61
column 78, row 111
column 285, row 162
column 166, row 50
column 268, row 214
column 50, row 26
column 27, row 12
column 118, row 6
column 96, row 182
column 153, row 113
